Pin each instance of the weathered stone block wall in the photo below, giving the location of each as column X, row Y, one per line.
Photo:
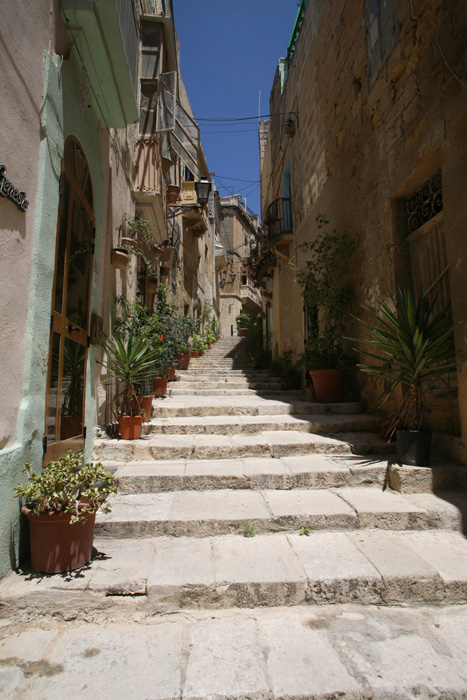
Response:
column 365, row 143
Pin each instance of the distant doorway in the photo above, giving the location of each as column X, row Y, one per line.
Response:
column 66, row 378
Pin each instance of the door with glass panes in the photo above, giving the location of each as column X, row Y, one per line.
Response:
column 66, row 380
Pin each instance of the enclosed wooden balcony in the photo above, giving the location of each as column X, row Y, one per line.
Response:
column 148, row 185
column 279, row 225
column 194, row 216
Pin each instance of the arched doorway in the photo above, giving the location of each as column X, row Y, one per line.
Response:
column 66, row 378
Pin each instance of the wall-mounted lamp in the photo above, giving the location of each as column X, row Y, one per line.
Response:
column 203, row 189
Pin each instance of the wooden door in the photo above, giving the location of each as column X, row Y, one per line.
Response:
column 66, row 381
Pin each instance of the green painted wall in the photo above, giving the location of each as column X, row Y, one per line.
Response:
column 61, row 115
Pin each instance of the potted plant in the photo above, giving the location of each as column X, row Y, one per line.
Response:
column 411, row 343
column 60, row 503
column 209, row 337
column 242, row 320
column 197, row 345
column 131, row 361
column 329, row 297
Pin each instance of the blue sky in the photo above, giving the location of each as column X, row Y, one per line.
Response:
column 229, row 52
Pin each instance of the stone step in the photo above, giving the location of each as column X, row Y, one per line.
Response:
column 223, row 425
column 310, row 472
column 220, row 512
column 177, row 391
column 308, row 652
column 154, row 575
column 195, row 383
column 253, row 405
column 274, row 443
column 238, row 379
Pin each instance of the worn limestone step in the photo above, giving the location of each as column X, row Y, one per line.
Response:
column 309, row 471
column 223, row 425
column 239, row 380
column 310, row 652
column 177, row 391
column 214, row 370
column 155, row 575
column 194, row 384
column 252, row 405
column 208, row 513
column 274, row 443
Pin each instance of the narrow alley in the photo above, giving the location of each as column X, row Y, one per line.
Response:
column 251, row 548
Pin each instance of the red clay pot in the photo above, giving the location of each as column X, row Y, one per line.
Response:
column 159, row 385
column 328, row 384
column 145, row 404
column 57, row 546
column 195, row 353
column 172, row 369
column 183, row 360
column 130, row 427
column 242, row 332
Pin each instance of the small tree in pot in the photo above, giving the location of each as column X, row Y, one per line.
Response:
column 326, row 291
column 131, row 361
column 415, row 343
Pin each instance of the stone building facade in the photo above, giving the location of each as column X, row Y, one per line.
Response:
column 369, row 128
column 96, row 125
column 238, row 232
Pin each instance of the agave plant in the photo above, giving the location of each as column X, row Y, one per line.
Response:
column 415, row 343
column 131, row 360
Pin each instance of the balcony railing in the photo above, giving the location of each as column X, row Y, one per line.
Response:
column 279, row 222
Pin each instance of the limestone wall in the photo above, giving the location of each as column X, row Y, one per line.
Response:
column 363, row 144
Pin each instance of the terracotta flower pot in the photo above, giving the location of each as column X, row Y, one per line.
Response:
column 328, row 384
column 130, row 427
column 172, row 369
column 173, row 192
column 195, row 353
column 242, row 332
column 120, row 258
column 144, row 403
column 159, row 386
column 57, row 546
column 183, row 360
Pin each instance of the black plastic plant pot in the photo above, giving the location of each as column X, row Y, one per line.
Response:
column 413, row 447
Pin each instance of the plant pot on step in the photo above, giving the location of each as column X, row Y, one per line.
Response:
column 172, row 369
column 328, row 384
column 159, row 386
column 183, row 360
column 242, row 332
column 195, row 353
column 130, row 427
column 144, row 403
column 413, row 447
column 57, row 546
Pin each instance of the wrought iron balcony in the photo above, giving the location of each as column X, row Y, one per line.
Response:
column 279, row 224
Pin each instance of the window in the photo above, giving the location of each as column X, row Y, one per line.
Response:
column 381, row 26
column 427, row 246
column 150, row 55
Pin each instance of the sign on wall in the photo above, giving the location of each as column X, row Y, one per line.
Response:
column 8, row 190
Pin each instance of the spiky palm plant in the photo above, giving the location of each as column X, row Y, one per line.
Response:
column 415, row 343
column 132, row 361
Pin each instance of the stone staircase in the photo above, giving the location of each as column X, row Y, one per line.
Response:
column 243, row 496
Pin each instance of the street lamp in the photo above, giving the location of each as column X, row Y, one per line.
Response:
column 203, row 189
